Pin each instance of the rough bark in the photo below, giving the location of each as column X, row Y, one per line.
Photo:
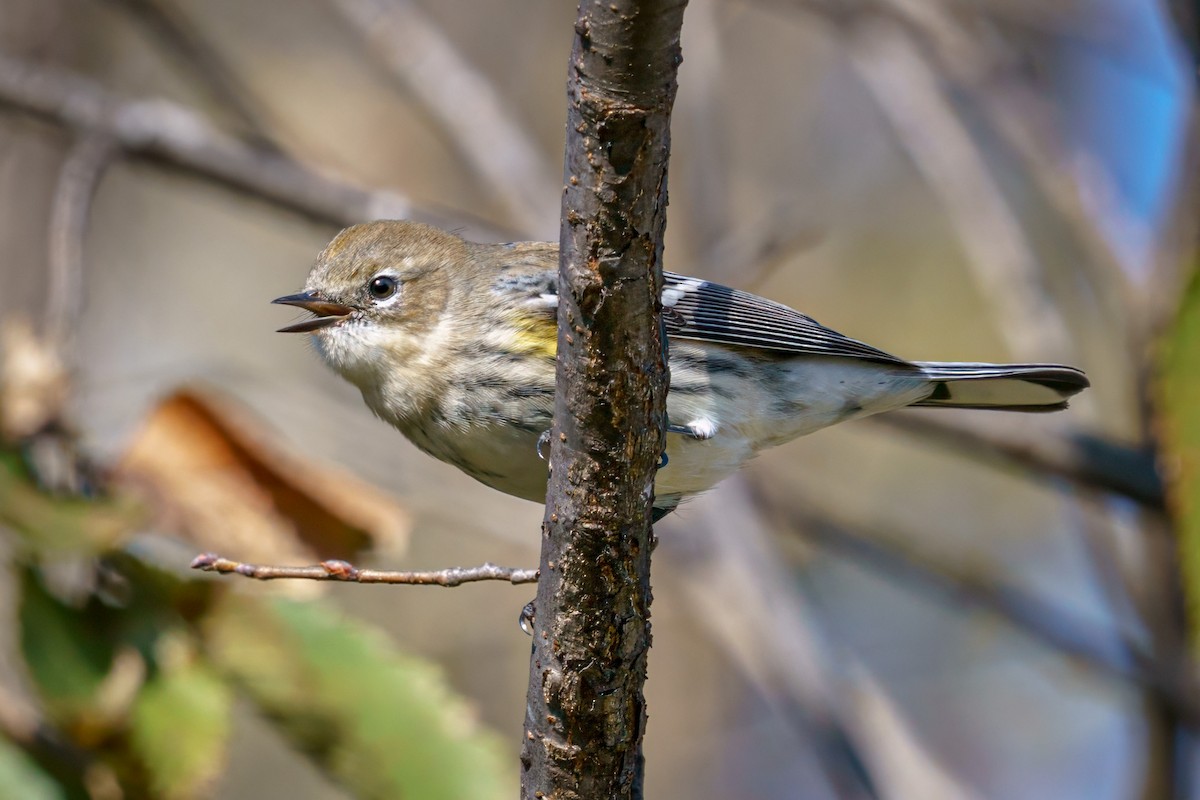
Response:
column 585, row 711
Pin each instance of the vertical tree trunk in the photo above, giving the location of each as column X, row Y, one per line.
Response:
column 585, row 711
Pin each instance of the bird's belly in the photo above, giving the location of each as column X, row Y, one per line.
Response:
column 502, row 456
column 506, row 458
column 767, row 405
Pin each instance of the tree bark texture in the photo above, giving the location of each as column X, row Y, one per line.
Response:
column 586, row 713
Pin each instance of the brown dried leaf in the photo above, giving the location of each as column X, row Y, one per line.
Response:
column 219, row 477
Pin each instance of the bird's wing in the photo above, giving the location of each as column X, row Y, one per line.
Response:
column 706, row 311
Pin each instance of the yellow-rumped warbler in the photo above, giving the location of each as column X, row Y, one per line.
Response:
column 453, row 343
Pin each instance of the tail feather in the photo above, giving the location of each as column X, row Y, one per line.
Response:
column 1008, row 387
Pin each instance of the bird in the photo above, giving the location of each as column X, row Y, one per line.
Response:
column 453, row 343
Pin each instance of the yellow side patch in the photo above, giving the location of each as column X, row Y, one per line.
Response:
column 536, row 336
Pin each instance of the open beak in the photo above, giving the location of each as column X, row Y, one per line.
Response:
column 327, row 313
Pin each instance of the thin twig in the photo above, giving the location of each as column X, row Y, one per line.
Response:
column 336, row 570
column 69, row 216
column 467, row 108
column 179, row 136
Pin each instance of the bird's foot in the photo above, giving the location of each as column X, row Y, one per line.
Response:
column 527, row 616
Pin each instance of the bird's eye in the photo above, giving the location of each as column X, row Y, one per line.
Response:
column 382, row 287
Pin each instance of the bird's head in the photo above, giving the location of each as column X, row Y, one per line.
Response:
column 378, row 293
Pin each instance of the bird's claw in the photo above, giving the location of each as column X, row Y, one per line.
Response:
column 527, row 617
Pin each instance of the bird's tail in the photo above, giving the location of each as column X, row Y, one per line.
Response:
column 1005, row 387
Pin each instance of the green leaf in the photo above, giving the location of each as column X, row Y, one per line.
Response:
column 383, row 724
column 180, row 726
column 60, row 524
column 22, row 779
column 1179, row 401
column 67, row 652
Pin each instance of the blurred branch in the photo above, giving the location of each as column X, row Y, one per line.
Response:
column 756, row 251
column 1187, row 24
column 173, row 134
column 181, row 40
column 908, row 763
column 1009, row 107
column 707, row 181
column 741, row 593
column 35, row 373
column 977, row 83
column 343, row 571
column 907, row 90
column 1021, row 120
column 1100, row 647
column 69, row 216
column 1088, row 461
column 467, row 108
column 171, row 28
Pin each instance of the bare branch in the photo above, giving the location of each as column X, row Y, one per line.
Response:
column 176, row 135
column 69, row 215
column 585, row 711
column 466, row 106
column 336, row 570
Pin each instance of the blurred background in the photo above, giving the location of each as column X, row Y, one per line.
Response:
column 930, row 604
